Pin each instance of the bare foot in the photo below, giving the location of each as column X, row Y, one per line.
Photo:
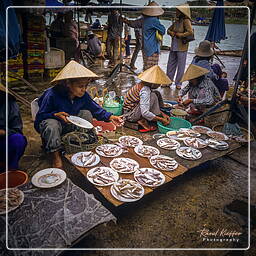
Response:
column 56, row 160
column 144, row 123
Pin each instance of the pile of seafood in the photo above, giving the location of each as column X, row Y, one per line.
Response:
column 130, row 141
column 167, row 143
column 102, row 176
column 109, row 150
column 201, row 129
column 195, row 143
column 217, row 135
column 182, row 133
column 149, row 177
column 146, row 151
column 15, row 199
column 189, row 153
column 124, row 165
column 127, row 190
column 164, row 163
column 217, row 144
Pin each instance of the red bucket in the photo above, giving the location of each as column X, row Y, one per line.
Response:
column 15, row 179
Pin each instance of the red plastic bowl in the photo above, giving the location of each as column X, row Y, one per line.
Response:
column 105, row 126
column 15, row 179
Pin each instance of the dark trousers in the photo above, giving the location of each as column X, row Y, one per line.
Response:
column 136, row 51
column 16, row 147
column 127, row 46
column 112, row 46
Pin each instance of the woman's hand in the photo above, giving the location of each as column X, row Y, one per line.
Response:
column 63, row 116
column 2, row 132
column 117, row 120
column 187, row 102
column 179, row 99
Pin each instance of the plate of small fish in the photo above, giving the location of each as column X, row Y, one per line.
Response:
column 201, row 129
column 217, row 144
column 189, row 153
column 85, row 159
column 102, row 176
column 15, row 197
column 124, row 165
column 109, row 150
column 130, row 141
column 195, row 142
column 217, row 135
column 182, row 134
column 146, row 151
column 126, row 190
column 49, row 178
column 168, row 144
column 164, row 163
column 149, row 177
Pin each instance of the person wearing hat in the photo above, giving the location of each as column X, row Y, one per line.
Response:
column 142, row 104
column 67, row 97
column 200, row 90
column 204, row 54
column 179, row 30
column 96, row 24
column 94, row 45
column 151, row 27
column 17, row 142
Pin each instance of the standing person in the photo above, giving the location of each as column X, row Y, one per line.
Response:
column 115, row 27
column 180, row 29
column 17, row 142
column 94, row 45
column 138, row 46
column 67, row 97
column 150, row 24
column 127, row 40
column 71, row 32
column 57, row 28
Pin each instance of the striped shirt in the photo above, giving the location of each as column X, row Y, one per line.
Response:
column 206, row 93
column 132, row 97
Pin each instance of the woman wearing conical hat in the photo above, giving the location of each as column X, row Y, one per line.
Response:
column 17, row 142
column 180, row 29
column 142, row 104
column 151, row 26
column 200, row 90
column 67, row 97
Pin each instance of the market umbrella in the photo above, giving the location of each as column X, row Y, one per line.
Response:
column 217, row 30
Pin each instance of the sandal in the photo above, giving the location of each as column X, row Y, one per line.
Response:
column 151, row 129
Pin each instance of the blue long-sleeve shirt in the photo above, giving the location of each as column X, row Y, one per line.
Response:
column 52, row 102
column 149, row 27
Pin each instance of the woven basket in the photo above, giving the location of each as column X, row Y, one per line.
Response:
column 217, row 118
column 74, row 143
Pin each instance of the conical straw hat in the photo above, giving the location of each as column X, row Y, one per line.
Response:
column 154, row 75
column 194, row 71
column 74, row 70
column 184, row 8
column 155, row 10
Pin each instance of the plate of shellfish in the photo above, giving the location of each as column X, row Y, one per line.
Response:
column 109, row 150
column 217, row 135
column 126, row 190
column 85, row 159
column 164, row 163
column 168, row 144
column 189, row 153
column 124, row 165
column 217, row 144
column 149, row 177
column 130, row 141
column 102, row 176
column 146, row 151
column 195, row 142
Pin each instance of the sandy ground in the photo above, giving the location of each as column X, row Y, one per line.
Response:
column 173, row 216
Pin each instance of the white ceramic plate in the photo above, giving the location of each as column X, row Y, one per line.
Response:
column 130, row 141
column 78, row 121
column 175, row 135
column 168, row 144
column 125, row 199
column 150, row 172
column 195, row 143
column 77, row 159
column 220, row 134
column 162, row 163
column 180, row 154
column 20, row 199
column 201, row 129
column 124, row 165
column 114, row 150
column 48, row 178
column 154, row 151
column 217, row 144
column 108, row 172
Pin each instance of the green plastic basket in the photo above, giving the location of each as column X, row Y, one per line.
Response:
column 175, row 124
column 117, row 111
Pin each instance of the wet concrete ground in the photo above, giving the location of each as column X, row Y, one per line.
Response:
column 171, row 217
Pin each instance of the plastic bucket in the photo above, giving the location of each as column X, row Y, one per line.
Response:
column 15, row 179
column 175, row 124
